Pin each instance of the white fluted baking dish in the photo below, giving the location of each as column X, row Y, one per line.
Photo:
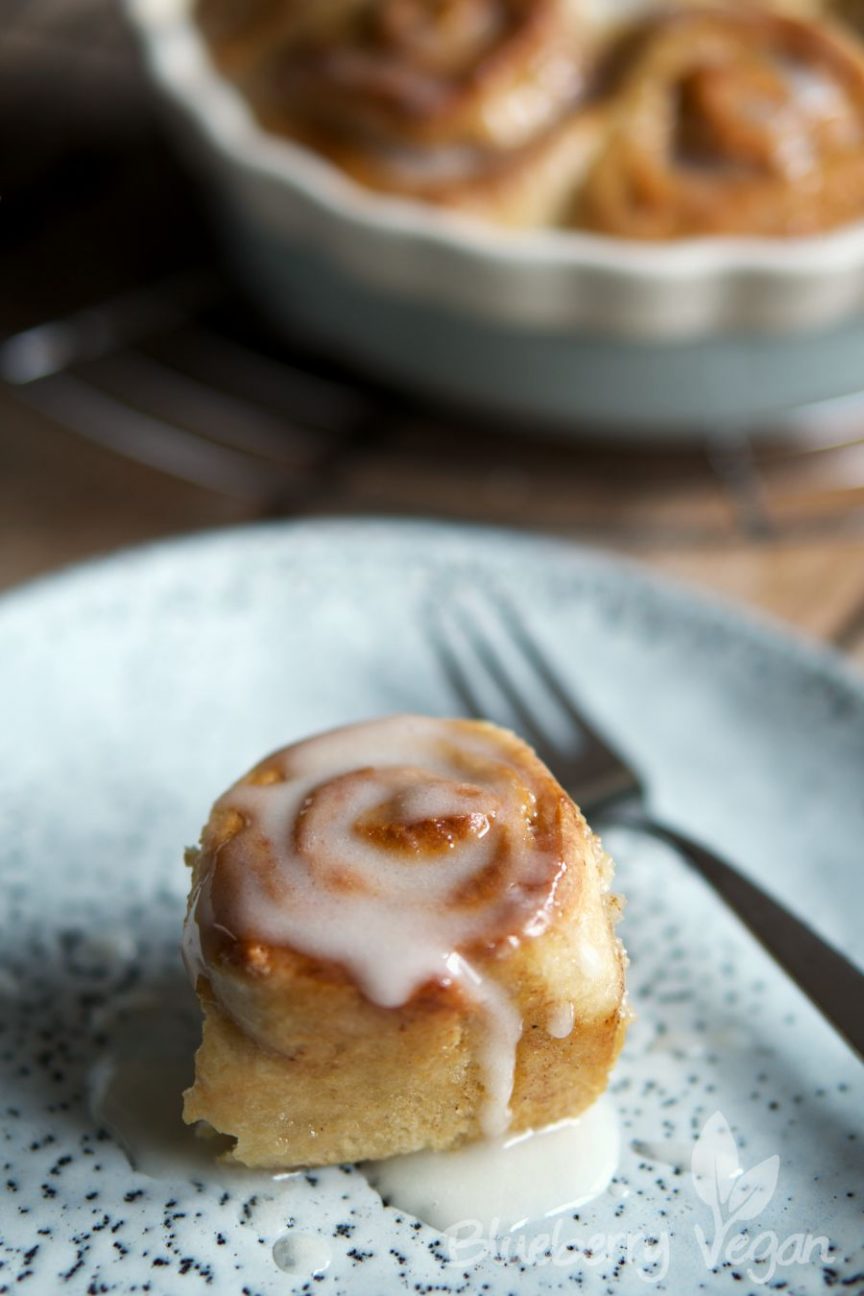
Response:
column 563, row 325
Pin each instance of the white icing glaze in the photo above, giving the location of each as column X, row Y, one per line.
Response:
column 135, row 1090
column 391, row 848
column 502, row 1184
column 498, row 1052
column 561, row 1020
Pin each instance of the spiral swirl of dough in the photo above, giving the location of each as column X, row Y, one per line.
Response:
column 391, row 852
column 732, row 121
column 478, row 73
column 387, row 847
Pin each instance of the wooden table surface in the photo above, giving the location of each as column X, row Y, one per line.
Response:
column 791, row 542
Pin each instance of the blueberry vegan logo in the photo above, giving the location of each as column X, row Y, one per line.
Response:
column 736, row 1197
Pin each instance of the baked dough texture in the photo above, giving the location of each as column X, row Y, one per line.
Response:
column 466, row 104
column 732, row 121
column 402, row 937
column 664, row 120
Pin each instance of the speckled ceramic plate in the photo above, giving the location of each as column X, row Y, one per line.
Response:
column 132, row 691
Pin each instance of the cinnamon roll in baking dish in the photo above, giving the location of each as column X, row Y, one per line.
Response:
column 732, row 122
column 697, row 119
column 402, row 935
column 466, row 103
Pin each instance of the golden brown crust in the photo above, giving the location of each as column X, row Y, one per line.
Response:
column 467, row 104
column 740, row 118
column 732, row 121
column 404, row 71
column 410, row 1082
column 301, row 1066
column 232, row 850
column 345, row 1080
column 520, row 188
column 242, row 33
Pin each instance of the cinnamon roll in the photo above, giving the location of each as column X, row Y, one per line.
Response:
column 402, row 936
column 731, row 121
column 465, row 103
column 241, row 33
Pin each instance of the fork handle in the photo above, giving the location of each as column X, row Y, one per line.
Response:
column 833, row 983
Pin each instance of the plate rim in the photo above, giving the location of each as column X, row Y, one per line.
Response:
column 763, row 629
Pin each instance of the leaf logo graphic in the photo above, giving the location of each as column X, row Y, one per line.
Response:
column 752, row 1192
column 733, row 1195
column 715, row 1162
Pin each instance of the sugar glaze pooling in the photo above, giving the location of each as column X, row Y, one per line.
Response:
column 499, row 1184
column 504, row 1183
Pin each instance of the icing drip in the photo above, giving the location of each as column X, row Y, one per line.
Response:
column 501, row 1184
column 498, row 1055
column 392, row 848
column 561, row 1020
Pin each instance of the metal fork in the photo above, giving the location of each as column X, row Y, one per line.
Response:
column 604, row 784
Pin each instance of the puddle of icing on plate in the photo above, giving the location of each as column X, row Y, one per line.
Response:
column 136, row 1089
column 500, row 1184
column 504, row 1183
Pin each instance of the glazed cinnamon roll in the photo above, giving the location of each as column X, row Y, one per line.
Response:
column 732, row 121
column 402, row 935
column 466, row 103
